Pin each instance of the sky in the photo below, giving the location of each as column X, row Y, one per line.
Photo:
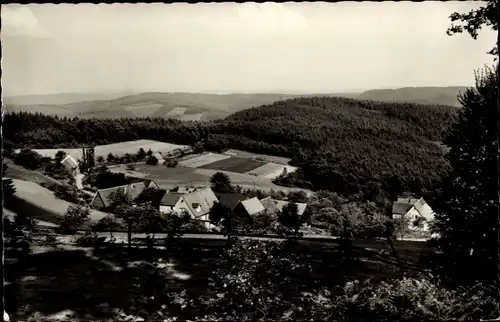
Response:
column 249, row 47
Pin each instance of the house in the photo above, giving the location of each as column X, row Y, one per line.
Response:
column 70, row 164
column 248, row 208
column 197, row 204
column 416, row 211
column 148, row 183
column 102, row 199
column 301, row 207
column 231, row 200
column 274, row 206
column 159, row 156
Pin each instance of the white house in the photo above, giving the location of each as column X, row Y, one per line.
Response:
column 70, row 164
column 197, row 204
column 418, row 213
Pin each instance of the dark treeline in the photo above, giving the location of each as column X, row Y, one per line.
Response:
column 355, row 148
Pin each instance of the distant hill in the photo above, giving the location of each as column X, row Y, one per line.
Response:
column 421, row 95
column 182, row 106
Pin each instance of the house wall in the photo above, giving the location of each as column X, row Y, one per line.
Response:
column 166, row 209
column 181, row 205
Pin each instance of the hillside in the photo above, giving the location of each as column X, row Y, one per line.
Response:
column 182, row 106
column 421, row 95
column 345, row 145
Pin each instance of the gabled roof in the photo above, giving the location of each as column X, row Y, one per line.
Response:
column 231, row 199
column 147, row 182
column 252, row 206
column 301, row 207
column 201, row 200
column 403, row 205
column 170, row 199
column 132, row 190
column 70, row 162
column 269, row 204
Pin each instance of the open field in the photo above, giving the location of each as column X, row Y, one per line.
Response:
column 169, row 178
column 191, row 117
column 234, row 164
column 255, row 156
column 143, row 109
column 176, row 111
column 271, row 170
column 118, row 149
column 35, row 199
column 199, row 160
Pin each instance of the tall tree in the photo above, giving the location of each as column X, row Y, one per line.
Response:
column 467, row 204
column 87, row 162
column 221, row 183
column 475, row 20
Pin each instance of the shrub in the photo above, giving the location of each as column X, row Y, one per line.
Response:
column 100, row 159
column 73, row 219
column 152, row 160
column 141, row 154
column 172, row 163
column 90, row 239
column 68, row 193
column 28, row 159
column 130, row 167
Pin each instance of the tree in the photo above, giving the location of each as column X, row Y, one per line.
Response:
column 290, row 219
column 473, row 21
column 8, row 185
column 467, row 204
column 149, row 153
column 119, row 198
column 100, row 159
column 87, row 162
column 141, row 154
column 221, row 183
column 28, row 159
column 221, row 216
column 152, row 160
column 109, row 223
column 60, row 155
column 177, row 223
column 73, row 219
column 130, row 215
column 151, row 195
column 111, row 158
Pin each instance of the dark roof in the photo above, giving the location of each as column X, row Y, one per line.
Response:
column 403, row 205
column 170, row 199
column 132, row 190
column 230, row 199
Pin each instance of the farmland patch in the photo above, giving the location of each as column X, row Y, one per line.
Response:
column 271, row 170
column 191, row 117
column 119, row 149
column 234, row 164
column 202, row 160
column 143, row 109
column 176, row 111
column 258, row 157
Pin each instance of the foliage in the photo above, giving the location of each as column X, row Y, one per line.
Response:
column 100, row 159
column 118, row 198
column 221, row 216
column 130, row 167
column 90, row 239
column 8, row 184
column 467, row 203
column 60, row 155
column 152, row 160
column 151, row 195
column 290, row 220
column 172, row 163
column 103, row 178
column 29, row 159
column 473, row 21
column 69, row 193
column 221, row 183
column 73, row 219
column 87, row 162
column 141, row 154
column 109, row 223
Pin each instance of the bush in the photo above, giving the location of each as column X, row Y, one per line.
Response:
column 73, row 219
column 28, row 159
column 152, row 160
column 130, row 167
column 90, row 239
column 172, row 163
column 68, row 193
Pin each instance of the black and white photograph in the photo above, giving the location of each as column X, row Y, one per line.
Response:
column 273, row 161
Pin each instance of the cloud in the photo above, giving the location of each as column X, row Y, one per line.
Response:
column 19, row 20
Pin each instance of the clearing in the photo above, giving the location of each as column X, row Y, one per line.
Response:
column 169, row 178
column 271, row 170
column 255, row 156
column 234, row 164
column 118, row 149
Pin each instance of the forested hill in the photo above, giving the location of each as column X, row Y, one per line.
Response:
column 344, row 145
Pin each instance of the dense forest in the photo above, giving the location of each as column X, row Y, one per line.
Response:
column 356, row 148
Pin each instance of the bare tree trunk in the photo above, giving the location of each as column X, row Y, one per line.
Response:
column 129, row 237
column 391, row 244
